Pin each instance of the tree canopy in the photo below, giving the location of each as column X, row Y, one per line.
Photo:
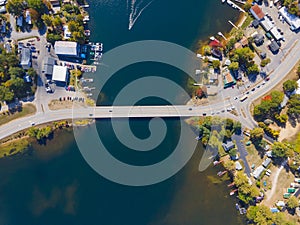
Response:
column 290, row 86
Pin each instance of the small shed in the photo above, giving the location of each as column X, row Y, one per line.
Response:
column 267, row 162
column 238, row 165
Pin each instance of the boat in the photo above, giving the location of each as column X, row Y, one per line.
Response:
column 233, row 191
column 212, row 38
column 230, row 185
column 242, row 211
column 221, row 173
column 223, row 1
column 237, row 206
column 217, row 162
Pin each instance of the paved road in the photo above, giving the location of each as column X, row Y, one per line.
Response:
column 243, row 152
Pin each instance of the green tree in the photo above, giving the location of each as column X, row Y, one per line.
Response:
column 47, row 20
column 15, row 7
column 52, row 38
column 281, row 150
column 243, row 55
column 290, row 86
column 38, row 5
column 73, row 26
column 32, row 73
column 237, row 127
column 253, row 69
column 17, row 86
column 265, row 62
column 234, row 66
column 16, row 72
column 216, row 64
column 6, row 94
column 260, row 214
column 256, row 134
column 247, row 6
column 293, row 202
column 294, row 106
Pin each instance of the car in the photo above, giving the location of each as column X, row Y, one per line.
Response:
column 228, row 109
column 258, row 86
column 110, row 110
column 233, row 107
column 267, row 79
column 235, row 98
column 190, row 108
column 212, row 113
column 253, row 89
column 90, row 114
column 247, row 92
column 204, row 114
column 264, row 82
column 223, row 110
column 28, row 44
column 32, row 123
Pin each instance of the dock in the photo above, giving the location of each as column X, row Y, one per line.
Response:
column 233, row 5
column 96, row 50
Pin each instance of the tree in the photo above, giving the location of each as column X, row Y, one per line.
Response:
column 253, row 69
column 281, row 150
column 16, row 72
column 37, row 5
column 216, row 64
column 52, row 38
column 47, row 20
column 237, row 127
column 293, row 202
column 32, row 73
column 234, row 66
column 256, row 134
column 6, row 94
column 290, row 85
column 265, row 62
column 260, row 214
column 56, row 21
column 17, row 86
column 294, row 106
column 247, row 6
column 243, row 55
column 15, row 7
column 72, row 25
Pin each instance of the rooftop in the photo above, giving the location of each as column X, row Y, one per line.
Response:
column 59, row 73
column 66, row 48
column 257, row 12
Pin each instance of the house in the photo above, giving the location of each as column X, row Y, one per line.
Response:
column 228, row 79
column 48, row 66
column 259, row 39
column 54, row 3
column 292, row 20
column 25, row 58
column 228, row 146
column 258, row 171
column 60, row 74
column 244, row 41
column 238, row 165
column 274, row 47
column 238, row 45
column 257, row 12
column 3, row 9
column 20, row 21
column 28, row 17
column 267, row 24
column 267, row 162
column 255, row 23
column 67, row 33
column 275, row 33
column 66, row 48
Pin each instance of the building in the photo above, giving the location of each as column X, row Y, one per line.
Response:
column 267, row 162
column 60, row 74
column 255, row 23
column 267, row 24
column 244, row 41
column 258, row 172
column 228, row 146
column 259, row 39
column 238, row 165
column 228, row 79
column 67, row 48
column 276, row 34
column 25, row 58
column 20, row 21
column 257, row 12
column 48, row 66
column 292, row 20
column 274, row 47
column 28, row 17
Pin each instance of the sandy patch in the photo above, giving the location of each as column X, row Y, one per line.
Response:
column 289, row 131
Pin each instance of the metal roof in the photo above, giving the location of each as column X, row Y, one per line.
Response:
column 59, row 73
column 66, row 48
column 25, row 57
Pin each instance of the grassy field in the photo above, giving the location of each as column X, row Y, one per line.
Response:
column 13, row 147
column 27, row 110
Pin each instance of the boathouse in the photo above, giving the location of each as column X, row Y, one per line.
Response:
column 67, row 48
column 60, row 75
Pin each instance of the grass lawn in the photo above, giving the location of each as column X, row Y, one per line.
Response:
column 13, row 147
column 27, row 109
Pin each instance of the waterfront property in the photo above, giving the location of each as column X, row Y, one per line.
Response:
column 60, row 75
column 292, row 20
column 66, row 49
column 257, row 12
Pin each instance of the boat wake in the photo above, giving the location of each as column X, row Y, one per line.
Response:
column 135, row 10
